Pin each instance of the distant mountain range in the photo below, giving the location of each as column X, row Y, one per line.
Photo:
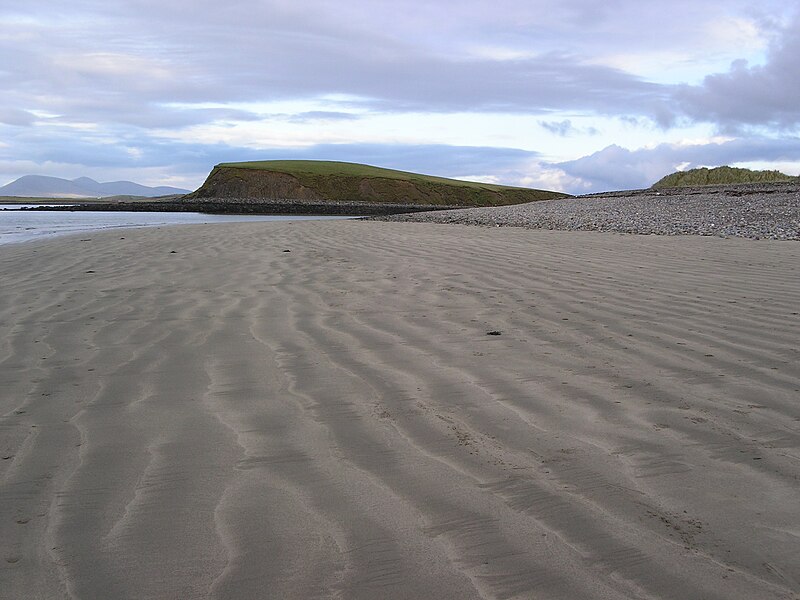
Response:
column 40, row 186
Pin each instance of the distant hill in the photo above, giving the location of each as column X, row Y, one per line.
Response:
column 40, row 186
column 329, row 181
column 720, row 176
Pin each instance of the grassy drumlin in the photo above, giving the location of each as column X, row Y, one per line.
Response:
column 194, row 411
column 333, row 181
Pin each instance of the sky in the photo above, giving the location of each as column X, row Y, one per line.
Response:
column 571, row 95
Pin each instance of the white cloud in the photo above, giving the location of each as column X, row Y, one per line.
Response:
column 113, row 65
column 552, row 178
column 789, row 167
column 494, row 179
column 736, row 32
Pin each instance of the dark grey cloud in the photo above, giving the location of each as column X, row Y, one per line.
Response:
column 15, row 116
column 613, row 168
column 747, row 95
column 565, row 128
column 562, row 128
column 65, row 147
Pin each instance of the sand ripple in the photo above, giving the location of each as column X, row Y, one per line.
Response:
column 195, row 412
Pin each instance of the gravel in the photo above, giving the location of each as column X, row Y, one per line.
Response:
column 756, row 211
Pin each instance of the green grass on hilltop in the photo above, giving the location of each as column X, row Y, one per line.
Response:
column 720, row 176
column 304, row 169
column 344, row 182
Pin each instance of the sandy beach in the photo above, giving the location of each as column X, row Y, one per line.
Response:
column 374, row 410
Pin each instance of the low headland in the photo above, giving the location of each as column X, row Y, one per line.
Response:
column 336, row 182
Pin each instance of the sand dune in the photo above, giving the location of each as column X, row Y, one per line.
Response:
column 195, row 412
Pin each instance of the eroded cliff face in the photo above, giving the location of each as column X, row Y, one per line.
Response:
column 372, row 191
column 392, row 190
column 248, row 183
column 230, row 182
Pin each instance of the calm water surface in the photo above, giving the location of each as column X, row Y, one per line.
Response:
column 23, row 225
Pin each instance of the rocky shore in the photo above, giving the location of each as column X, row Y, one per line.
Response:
column 253, row 206
column 758, row 211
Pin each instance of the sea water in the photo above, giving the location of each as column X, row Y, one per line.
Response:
column 24, row 225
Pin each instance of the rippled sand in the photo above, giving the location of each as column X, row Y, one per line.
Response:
column 194, row 412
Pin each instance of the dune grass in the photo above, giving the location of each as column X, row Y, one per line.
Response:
column 721, row 176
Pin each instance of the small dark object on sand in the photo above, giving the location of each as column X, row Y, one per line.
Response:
column 494, row 333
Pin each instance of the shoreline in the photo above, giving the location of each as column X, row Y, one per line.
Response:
column 756, row 211
column 244, row 206
column 322, row 408
column 23, row 226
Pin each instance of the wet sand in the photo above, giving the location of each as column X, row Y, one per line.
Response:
column 193, row 412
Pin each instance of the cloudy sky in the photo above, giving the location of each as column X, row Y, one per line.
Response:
column 575, row 95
